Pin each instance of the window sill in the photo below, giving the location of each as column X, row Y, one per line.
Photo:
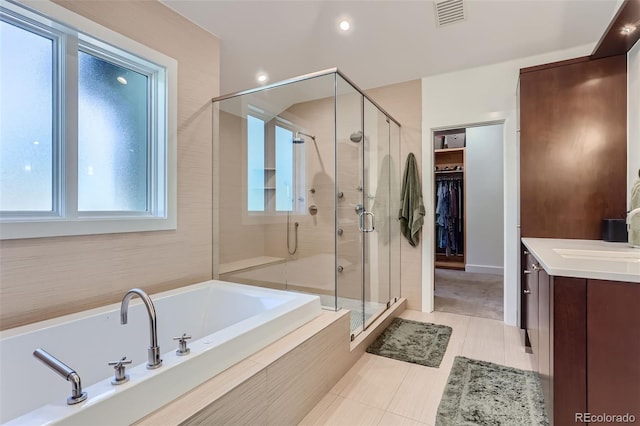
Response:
column 87, row 226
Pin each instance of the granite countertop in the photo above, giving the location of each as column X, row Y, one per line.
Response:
column 586, row 258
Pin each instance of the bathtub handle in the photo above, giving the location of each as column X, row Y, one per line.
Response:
column 182, row 342
column 119, row 367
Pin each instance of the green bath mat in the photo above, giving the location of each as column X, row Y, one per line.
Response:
column 412, row 341
column 483, row 393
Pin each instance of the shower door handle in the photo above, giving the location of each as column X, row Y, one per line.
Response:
column 361, row 221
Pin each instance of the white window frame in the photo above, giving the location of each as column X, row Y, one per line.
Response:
column 270, row 214
column 73, row 32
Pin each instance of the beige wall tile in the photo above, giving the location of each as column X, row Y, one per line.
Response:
column 46, row 277
column 200, row 398
column 300, row 378
column 244, row 405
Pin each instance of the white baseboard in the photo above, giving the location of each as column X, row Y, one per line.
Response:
column 483, row 269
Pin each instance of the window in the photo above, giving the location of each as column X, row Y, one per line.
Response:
column 87, row 141
column 275, row 167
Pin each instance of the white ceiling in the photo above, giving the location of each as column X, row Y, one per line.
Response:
column 390, row 41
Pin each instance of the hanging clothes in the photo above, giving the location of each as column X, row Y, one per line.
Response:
column 448, row 214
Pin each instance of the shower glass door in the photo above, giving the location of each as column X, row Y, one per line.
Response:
column 374, row 220
column 349, row 238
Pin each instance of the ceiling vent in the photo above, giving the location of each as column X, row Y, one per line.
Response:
column 449, row 12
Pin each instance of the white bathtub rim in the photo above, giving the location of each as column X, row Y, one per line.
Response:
column 94, row 312
column 139, row 374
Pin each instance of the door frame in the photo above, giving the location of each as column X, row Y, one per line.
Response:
column 511, row 294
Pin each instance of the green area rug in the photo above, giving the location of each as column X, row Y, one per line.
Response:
column 412, row 341
column 483, row 393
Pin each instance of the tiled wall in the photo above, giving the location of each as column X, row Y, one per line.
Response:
column 46, row 277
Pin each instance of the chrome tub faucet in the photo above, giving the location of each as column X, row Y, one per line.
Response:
column 153, row 360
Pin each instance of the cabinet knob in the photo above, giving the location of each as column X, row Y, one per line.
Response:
column 526, row 253
column 527, row 291
column 527, row 272
column 536, row 267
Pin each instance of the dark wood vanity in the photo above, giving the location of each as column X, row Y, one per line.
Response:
column 585, row 337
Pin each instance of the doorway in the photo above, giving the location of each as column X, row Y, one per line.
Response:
column 469, row 220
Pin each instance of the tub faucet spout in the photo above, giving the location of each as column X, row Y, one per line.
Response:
column 153, row 360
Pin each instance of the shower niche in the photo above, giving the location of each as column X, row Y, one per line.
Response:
column 307, row 193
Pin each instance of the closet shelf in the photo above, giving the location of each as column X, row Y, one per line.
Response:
column 449, row 150
column 439, row 172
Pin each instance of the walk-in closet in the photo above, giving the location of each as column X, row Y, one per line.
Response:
column 469, row 220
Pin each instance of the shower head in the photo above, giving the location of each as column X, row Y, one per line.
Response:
column 356, row 136
column 299, row 137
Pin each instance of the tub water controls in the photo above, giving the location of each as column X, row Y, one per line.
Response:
column 182, row 342
column 120, row 366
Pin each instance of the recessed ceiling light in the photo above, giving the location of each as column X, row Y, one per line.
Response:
column 344, row 25
column 262, row 77
column 121, row 80
column 627, row 29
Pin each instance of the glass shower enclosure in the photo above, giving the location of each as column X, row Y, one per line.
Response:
column 307, row 193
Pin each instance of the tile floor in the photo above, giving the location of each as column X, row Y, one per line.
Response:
column 383, row 391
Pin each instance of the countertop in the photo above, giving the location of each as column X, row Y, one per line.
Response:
column 586, row 258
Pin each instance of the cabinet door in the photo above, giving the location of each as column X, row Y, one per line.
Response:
column 613, row 347
column 530, row 294
column 544, row 344
column 562, row 107
column 569, row 344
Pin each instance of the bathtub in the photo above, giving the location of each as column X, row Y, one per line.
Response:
column 228, row 322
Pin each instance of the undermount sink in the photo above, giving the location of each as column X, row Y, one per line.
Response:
column 607, row 255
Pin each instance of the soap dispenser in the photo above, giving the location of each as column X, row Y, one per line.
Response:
column 633, row 217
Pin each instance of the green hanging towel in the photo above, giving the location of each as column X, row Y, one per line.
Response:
column 412, row 210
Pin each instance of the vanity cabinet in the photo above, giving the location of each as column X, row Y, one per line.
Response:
column 585, row 338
